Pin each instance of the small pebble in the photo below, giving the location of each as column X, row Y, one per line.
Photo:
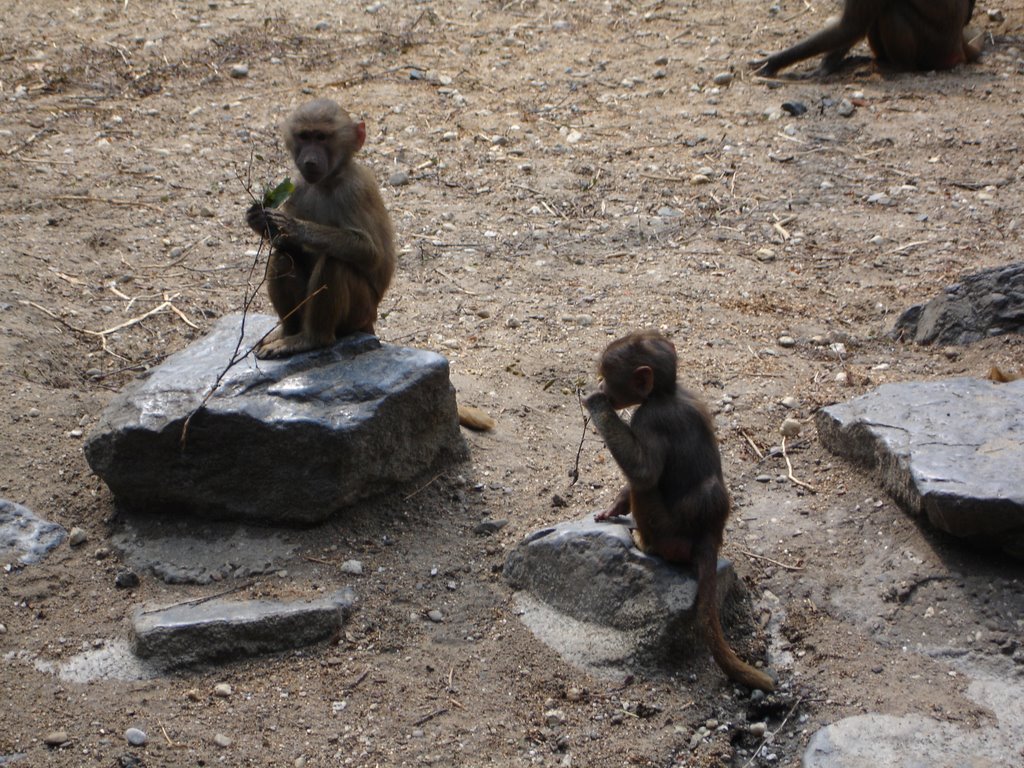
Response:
column 845, row 108
column 488, row 527
column 398, row 179
column 763, row 478
column 758, row 729
column 554, row 717
column 223, row 690
column 722, row 78
column 55, row 738
column 842, row 378
column 787, row 341
column 353, row 567
column 790, row 402
column 790, row 428
column 222, row 741
column 135, row 737
column 126, row 579
column 795, row 108
column 3, row 629
column 76, row 537
column 239, row 71
column 435, row 616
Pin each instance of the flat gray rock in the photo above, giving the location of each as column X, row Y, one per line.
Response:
column 952, row 450
column 191, row 552
column 592, row 573
column 281, row 441
column 988, row 303
column 25, row 538
column 223, row 630
column 917, row 741
column 887, row 741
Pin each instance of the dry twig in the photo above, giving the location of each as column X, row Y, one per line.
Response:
column 108, row 201
column 789, row 470
column 575, row 473
column 771, row 735
column 756, row 556
column 423, row 487
column 431, row 716
column 753, row 445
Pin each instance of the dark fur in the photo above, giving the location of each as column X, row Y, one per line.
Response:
column 903, row 34
column 670, row 457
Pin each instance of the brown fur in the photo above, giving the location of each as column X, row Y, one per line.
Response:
column 903, row 34
column 333, row 252
column 669, row 455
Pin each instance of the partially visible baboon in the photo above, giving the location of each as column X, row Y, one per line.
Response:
column 903, row 34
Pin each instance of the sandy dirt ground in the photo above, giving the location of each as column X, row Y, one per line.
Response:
column 575, row 170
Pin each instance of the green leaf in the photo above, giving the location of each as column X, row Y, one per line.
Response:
column 272, row 198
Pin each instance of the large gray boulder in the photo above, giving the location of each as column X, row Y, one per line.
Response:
column 988, row 303
column 594, row 574
column 952, row 450
column 281, row 441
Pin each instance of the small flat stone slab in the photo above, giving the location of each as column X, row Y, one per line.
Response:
column 871, row 741
column 593, row 573
column 951, row 449
column 281, row 441
column 25, row 538
column 222, row 630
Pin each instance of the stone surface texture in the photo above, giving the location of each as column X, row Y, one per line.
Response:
column 988, row 303
column 223, row 630
column 281, row 441
column 185, row 551
column 592, row 573
column 951, row 449
column 25, row 538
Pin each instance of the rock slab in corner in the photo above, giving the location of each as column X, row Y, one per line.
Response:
column 222, row 630
column 951, row 449
column 25, row 538
column 988, row 303
column 874, row 741
column 594, row 574
column 282, row 441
